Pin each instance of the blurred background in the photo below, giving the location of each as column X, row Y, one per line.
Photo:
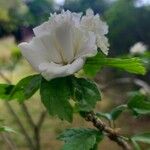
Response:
column 129, row 23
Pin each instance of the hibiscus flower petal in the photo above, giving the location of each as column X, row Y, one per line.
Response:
column 51, row 70
column 34, row 53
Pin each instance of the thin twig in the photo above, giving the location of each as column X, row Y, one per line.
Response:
column 37, row 129
column 41, row 119
column 111, row 133
column 37, row 138
column 28, row 116
column 8, row 141
column 10, row 109
column 28, row 139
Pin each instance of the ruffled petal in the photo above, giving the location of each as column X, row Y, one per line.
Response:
column 76, row 66
column 34, row 53
column 94, row 24
column 65, row 16
column 49, row 43
column 89, row 12
column 87, row 46
column 103, row 44
column 42, row 29
column 51, row 70
column 63, row 39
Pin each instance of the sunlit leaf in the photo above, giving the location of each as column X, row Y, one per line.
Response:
column 132, row 65
column 6, row 129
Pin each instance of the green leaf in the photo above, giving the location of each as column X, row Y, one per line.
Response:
column 93, row 65
column 6, row 129
column 132, row 65
column 5, row 90
column 55, row 95
column 86, row 93
column 139, row 104
column 115, row 113
column 26, row 88
column 80, row 138
column 104, row 115
column 142, row 137
column 136, row 145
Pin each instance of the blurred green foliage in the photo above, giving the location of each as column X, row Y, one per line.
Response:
column 39, row 10
column 128, row 23
column 19, row 14
column 99, row 6
column 11, row 15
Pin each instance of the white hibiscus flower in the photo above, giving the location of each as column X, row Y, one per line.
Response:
column 60, row 45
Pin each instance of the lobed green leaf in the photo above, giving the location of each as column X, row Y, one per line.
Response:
column 55, row 95
column 86, row 93
column 80, row 139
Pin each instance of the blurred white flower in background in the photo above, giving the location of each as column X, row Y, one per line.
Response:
column 62, row 44
column 59, row 2
column 138, row 48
